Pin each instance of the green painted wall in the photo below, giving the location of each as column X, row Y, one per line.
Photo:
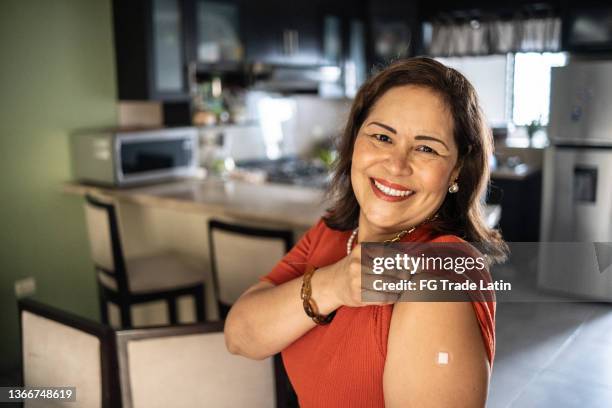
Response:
column 56, row 74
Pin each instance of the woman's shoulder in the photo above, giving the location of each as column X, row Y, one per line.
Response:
column 321, row 232
column 315, row 231
column 321, row 229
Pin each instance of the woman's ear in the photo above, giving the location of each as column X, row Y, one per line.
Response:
column 456, row 171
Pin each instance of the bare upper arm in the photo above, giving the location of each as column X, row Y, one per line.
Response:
column 419, row 332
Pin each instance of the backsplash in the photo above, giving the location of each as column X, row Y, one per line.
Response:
column 279, row 126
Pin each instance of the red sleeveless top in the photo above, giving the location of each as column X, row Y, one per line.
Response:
column 341, row 364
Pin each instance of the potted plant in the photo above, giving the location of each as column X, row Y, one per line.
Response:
column 533, row 127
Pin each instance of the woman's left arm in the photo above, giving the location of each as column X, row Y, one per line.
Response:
column 435, row 357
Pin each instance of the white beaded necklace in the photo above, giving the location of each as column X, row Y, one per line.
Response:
column 400, row 235
column 349, row 243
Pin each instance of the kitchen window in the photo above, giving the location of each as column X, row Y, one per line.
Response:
column 531, row 90
column 513, row 88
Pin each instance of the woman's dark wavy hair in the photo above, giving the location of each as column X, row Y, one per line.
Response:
column 460, row 214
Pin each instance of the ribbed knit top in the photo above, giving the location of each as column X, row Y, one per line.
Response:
column 341, row 364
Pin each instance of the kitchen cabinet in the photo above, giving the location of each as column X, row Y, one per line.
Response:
column 282, row 32
column 394, row 30
column 302, row 33
column 214, row 37
column 344, row 34
column 149, row 48
column 161, row 45
column 586, row 28
column 520, row 200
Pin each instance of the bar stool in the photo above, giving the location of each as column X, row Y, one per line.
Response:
column 127, row 282
column 241, row 254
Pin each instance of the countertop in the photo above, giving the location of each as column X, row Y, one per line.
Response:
column 520, row 172
column 279, row 204
column 289, row 206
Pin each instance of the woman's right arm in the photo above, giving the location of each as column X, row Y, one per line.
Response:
column 268, row 318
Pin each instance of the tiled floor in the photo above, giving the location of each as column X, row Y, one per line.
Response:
column 552, row 355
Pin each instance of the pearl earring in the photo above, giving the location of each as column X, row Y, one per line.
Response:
column 453, row 188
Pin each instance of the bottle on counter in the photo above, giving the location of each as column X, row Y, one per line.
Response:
column 214, row 152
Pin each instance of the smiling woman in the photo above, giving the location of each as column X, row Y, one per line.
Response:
column 412, row 167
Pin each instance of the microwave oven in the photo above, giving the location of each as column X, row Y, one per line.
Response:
column 121, row 158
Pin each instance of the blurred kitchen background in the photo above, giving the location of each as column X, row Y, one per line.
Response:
column 257, row 92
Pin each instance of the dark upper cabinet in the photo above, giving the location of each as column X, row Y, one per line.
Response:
column 283, row 32
column 339, row 19
column 587, row 27
column 158, row 42
column 213, row 32
column 150, row 50
column 394, row 30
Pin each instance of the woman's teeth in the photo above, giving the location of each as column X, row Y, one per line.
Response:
column 391, row 191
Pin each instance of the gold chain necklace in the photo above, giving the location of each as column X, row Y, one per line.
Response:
column 399, row 236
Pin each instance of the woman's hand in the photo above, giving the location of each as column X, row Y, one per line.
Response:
column 343, row 283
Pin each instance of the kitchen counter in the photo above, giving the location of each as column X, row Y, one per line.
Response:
column 278, row 204
column 520, row 172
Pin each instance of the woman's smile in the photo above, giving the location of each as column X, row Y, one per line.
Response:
column 388, row 191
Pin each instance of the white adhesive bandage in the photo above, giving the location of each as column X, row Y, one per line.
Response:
column 443, row 358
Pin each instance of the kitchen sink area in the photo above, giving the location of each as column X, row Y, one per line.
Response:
column 289, row 170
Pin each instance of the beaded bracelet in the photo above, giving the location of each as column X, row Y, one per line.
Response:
column 310, row 307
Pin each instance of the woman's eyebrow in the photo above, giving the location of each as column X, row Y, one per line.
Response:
column 433, row 139
column 382, row 125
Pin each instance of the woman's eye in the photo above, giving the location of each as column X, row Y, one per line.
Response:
column 382, row 138
column 426, row 149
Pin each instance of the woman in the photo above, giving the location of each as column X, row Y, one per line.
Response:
column 412, row 166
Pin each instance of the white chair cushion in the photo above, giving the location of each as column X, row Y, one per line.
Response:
column 163, row 272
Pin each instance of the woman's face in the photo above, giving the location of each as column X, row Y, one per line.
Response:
column 404, row 159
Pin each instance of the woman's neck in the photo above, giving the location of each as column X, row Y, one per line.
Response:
column 371, row 233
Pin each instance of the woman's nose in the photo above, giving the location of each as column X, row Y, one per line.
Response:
column 398, row 163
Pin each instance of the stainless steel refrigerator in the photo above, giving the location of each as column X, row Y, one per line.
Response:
column 577, row 185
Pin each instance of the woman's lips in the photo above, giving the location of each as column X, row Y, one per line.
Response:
column 390, row 184
column 389, row 191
